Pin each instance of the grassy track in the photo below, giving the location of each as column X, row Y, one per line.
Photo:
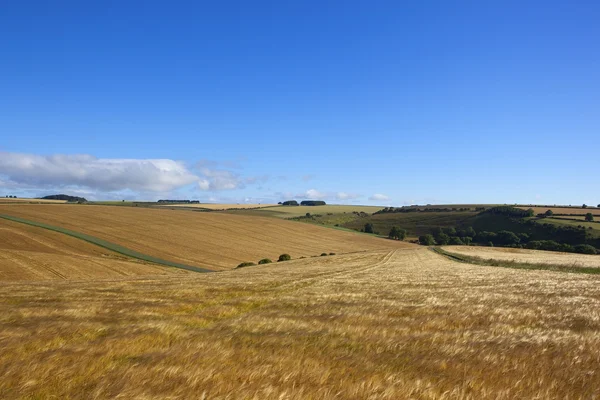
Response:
column 107, row 245
column 514, row 264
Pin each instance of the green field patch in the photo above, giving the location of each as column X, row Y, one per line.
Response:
column 107, row 245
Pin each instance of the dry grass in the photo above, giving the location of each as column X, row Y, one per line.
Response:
column 211, row 206
column 211, row 240
column 405, row 324
column 300, row 211
column 28, row 253
column 526, row 256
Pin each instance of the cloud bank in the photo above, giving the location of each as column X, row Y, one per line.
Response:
column 379, row 197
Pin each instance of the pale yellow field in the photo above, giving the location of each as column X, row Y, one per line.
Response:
column 403, row 324
column 28, row 253
column 211, row 240
column 564, row 210
column 219, row 206
column 34, row 201
column 299, row 211
column 526, row 255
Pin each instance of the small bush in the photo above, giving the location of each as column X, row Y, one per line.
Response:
column 284, row 257
column 265, row 261
column 323, row 254
column 332, row 254
column 245, row 264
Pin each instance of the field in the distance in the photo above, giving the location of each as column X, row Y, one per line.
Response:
column 299, row 211
column 33, row 201
column 212, row 206
column 564, row 210
column 28, row 253
column 526, row 255
column 387, row 325
column 211, row 240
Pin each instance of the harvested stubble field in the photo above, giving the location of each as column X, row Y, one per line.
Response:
column 388, row 325
column 28, row 253
column 215, row 241
column 33, row 201
column 526, row 255
column 300, row 211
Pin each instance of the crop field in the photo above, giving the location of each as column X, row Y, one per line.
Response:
column 215, row 241
column 28, row 253
column 33, row 201
column 564, row 210
column 299, row 211
column 212, row 206
column 405, row 323
column 526, row 255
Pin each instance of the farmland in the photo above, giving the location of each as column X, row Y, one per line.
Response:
column 387, row 324
column 526, row 256
column 212, row 206
column 28, row 253
column 299, row 211
column 214, row 241
column 564, row 210
column 7, row 200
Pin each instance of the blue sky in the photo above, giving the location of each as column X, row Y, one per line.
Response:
column 371, row 102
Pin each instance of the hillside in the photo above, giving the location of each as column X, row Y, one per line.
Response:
column 378, row 325
column 210, row 240
column 28, row 253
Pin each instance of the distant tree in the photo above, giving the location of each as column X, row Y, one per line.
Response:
column 290, row 203
column 284, row 257
column 598, row 206
column 307, row 215
column 245, row 264
column 426, row 240
column 450, row 231
column 332, row 254
column 368, row 227
column 323, row 254
column 589, row 217
column 265, row 261
column 530, row 212
column 549, row 213
column 455, row 240
column 507, row 238
column 584, row 249
column 397, row 233
column 280, row 203
column 584, row 206
column 442, row 239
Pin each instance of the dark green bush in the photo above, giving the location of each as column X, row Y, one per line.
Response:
column 426, row 240
column 245, row 264
column 323, row 254
column 284, row 257
column 332, row 254
column 265, row 261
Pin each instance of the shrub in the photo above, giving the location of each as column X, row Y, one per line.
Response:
column 290, row 203
column 265, row 261
column 589, row 217
column 368, row 227
column 332, row 254
column 245, row 264
column 456, row 240
column 549, row 213
column 397, row 233
column 426, row 240
column 323, row 254
column 584, row 249
column 284, row 257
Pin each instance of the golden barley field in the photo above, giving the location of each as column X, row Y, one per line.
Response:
column 29, row 253
column 215, row 241
column 213, row 206
column 394, row 324
column 526, row 255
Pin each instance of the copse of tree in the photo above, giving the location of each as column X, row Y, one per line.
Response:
column 312, row 203
column 510, row 211
column 589, row 217
column 368, row 228
column 549, row 213
column 397, row 233
column 455, row 240
column 585, row 249
column 584, row 206
column 290, row 203
column 426, row 240
column 64, row 197
column 284, row 257
column 507, row 238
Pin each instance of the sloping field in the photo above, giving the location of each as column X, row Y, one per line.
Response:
column 299, row 211
column 212, row 206
column 564, row 210
column 28, row 253
column 34, row 201
column 526, row 255
column 210, row 240
column 381, row 325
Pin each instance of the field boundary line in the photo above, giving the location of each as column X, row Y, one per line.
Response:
column 569, row 268
column 107, row 245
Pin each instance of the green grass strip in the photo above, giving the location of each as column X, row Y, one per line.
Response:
column 107, row 245
column 514, row 264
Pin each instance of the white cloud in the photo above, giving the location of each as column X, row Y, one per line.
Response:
column 219, row 179
column 106, row 174
column 312, row 194
column 379, row 197
column 308, row 177
column 346, row 196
